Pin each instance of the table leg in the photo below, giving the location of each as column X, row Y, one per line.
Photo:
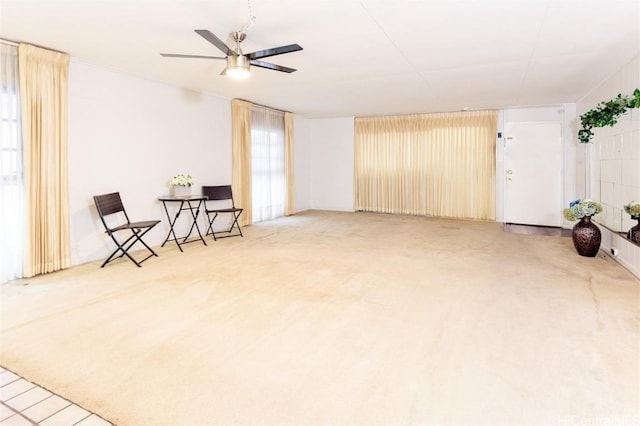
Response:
column 194, row 214
column 171, row 224
column 196, row 222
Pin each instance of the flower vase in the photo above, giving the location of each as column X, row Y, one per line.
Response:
column 180, row 191
column 586, row 237
column 634, row 232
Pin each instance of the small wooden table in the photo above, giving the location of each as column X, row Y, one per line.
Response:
column 192, row 203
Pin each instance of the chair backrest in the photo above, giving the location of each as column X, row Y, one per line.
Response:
column 108, row 204
column 217, row 193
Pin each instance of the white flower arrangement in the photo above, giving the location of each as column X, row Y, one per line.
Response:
column 633, row 209
column 182, row 180
column 582, row 208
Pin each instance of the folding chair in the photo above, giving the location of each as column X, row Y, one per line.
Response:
column 109, row 204
column 217, row 194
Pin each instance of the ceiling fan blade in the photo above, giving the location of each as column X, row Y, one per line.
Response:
column 274, row 51
column 211, row 38
column 271, row 66
column 177, row 55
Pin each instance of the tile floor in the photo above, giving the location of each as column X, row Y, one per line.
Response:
column 25, row 403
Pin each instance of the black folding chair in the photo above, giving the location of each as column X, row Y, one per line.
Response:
column 109, row 204
column 218, row 194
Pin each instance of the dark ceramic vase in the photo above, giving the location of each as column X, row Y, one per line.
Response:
column 634, row 233
column 586, row 237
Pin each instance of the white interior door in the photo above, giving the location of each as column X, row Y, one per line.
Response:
column 533, row 173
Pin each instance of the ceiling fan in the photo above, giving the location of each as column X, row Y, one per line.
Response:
column 237, row 62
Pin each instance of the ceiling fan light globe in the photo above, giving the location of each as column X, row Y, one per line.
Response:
column 238, row 73
column 238, row 67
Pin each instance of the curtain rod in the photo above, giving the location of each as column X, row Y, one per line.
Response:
column 12, row 43
column 262, row 106
column 258, row 106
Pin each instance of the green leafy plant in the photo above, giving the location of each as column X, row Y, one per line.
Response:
column 606, row 114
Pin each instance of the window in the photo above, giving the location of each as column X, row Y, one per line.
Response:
column 9, row 152
column 267, row 163
column 11, row 169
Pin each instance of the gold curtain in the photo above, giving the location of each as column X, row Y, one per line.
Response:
column 289, row 204
column 43, row 96
column 241, row 147
column 427, row 164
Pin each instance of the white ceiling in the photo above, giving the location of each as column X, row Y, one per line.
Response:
column 365, row 57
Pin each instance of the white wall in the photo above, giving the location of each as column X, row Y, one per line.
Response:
column 131, row 135
column 332, row 159
column 332, row 164
column 611, row 165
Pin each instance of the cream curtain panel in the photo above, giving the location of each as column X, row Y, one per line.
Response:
column 43, row 76
column 241, row 158
column 290, row 204
column 428, row 164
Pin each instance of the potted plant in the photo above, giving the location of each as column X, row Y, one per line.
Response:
column 181, row 185
column 585, row 234
column 633, row 210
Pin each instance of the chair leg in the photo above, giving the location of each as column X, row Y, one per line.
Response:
column 126, row 246
column 235, row 223
column 120, row 248
column 139, row 238
column 210, row 229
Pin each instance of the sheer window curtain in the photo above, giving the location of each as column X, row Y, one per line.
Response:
column 267, row 163
column 12, row 221
column 43, row 78
column 427, row 164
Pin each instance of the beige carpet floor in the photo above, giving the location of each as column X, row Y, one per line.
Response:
column 338, row 319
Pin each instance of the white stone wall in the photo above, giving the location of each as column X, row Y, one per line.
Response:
column 612, row 164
